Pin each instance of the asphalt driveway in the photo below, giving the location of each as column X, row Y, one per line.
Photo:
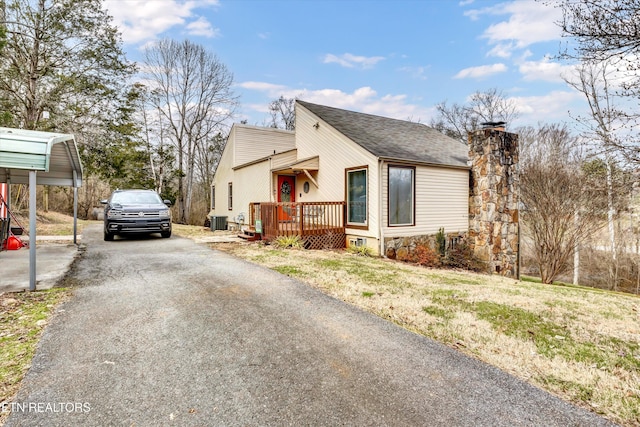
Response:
column 168, row 332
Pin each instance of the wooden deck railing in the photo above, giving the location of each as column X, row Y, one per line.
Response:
column 298, row 218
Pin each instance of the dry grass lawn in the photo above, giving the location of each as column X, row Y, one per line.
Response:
column 580, row 344
column 51, row 224
column 23, row 317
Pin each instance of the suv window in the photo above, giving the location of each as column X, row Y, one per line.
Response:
column 135, row 197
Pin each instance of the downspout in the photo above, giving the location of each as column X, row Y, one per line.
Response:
column 380, row 209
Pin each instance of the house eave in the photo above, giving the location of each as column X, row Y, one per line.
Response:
column 301, row 165
column 262, row 159
column 421, row 163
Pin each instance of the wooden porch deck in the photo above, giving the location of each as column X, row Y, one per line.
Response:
column 319, row 224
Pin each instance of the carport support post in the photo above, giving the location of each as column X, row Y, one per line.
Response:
column 32, row 230
column 75, row 208
column 75, row 215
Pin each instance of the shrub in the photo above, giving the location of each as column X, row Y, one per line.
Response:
column 441, row 242
column 422, row 255
column 461, row 256
column 426, row 256
column 360, row 250
column 294, row 242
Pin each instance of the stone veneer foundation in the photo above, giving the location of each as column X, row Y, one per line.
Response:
column 400, row 247
column 494, row 199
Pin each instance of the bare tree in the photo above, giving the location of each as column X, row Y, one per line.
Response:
column 283, row 113
column 208, row 157
column 3, row 20
column 607, row 37
column 193, row 93
column 596, row 81
column 554, row 188
column 458, row 120
column 603, row 29
column 158, row 152
column 454, row 120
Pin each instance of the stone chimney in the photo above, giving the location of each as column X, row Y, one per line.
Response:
column 494, row 195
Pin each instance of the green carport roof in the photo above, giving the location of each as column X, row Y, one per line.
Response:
column 54, row 156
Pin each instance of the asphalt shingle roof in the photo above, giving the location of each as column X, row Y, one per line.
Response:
column 392, row 138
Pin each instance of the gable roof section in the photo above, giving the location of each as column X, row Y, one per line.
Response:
column 252, row 143
column 393, row 139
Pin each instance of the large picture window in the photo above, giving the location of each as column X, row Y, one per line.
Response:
column 401, row 195
column 357, row 197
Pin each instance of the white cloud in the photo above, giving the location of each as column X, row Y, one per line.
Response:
column 544, row 69
column 337, row 98
column 268, row 88
column 350, row 61
column 141, row 20
column 416, row 72
column 529, row 22
column 364, row 99
column 202, row 27
column 481, row 71
column 616, row 75
column 502, row 50
column 552, row 107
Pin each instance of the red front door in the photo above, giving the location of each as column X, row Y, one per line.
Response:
column 286, row 193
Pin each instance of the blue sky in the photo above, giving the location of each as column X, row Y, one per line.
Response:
column 395, row 58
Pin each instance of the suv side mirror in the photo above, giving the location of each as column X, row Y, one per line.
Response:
column 104, row 202
column 167, row 202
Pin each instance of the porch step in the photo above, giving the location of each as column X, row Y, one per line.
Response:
column 250, row 235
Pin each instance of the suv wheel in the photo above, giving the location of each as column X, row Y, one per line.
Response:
column 166, row 234
column 108, row 237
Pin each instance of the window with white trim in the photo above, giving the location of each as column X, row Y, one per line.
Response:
column 401, row 195
column 357, row 197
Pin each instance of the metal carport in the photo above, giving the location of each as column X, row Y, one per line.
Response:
column 40, row 158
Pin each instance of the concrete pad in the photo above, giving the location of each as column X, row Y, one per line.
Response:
column 220, row 236
column 220, row 239
column 52, row 263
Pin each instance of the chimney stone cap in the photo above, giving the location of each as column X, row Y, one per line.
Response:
column 488, row 125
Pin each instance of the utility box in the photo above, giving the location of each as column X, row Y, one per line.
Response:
column 218, row 223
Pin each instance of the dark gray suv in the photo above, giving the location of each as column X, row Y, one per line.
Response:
column 136, row 212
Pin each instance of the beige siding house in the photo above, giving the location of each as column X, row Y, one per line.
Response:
column 243, row 174
column 395, row 179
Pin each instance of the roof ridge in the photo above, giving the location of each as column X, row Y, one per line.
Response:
column 377, row 116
